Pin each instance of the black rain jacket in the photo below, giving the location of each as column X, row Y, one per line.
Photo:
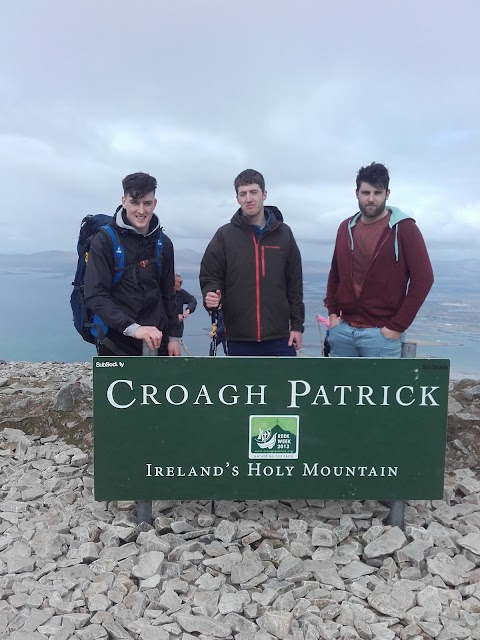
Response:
column 260, row 280
column 142, row 295
column 182, row 298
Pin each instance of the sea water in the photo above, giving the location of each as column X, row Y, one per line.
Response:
column 36, row 322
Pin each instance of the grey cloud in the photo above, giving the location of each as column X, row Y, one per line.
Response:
column 192, row 92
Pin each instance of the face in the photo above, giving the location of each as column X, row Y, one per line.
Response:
column 178, row 284
column 251, row 199
column 372, row 200
column 140, row 211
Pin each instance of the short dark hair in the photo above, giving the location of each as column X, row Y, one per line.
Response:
column 375, row 174
column 249, row 176
column 138, row 184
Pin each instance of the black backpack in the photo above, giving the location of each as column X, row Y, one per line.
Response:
column 88, row 324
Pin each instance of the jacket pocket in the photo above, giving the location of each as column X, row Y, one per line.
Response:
column 266, row 247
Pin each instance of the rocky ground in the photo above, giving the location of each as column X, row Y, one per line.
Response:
column 71, row 567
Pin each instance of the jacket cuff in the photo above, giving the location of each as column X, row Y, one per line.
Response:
column 297, row 327
column 130, row 330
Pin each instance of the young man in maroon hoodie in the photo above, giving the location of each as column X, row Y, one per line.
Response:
column 380, row 274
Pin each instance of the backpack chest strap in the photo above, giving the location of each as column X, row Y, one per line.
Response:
column 119, row 255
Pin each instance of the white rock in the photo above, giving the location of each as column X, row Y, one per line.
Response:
column 386, row 544
column 444, row 566
column 471, row 542
column 322, row 537
column 278, row 623
column 148, row 565
column 429, row 598
column 204, row 625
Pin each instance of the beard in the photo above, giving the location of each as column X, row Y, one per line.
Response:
column 373, row 212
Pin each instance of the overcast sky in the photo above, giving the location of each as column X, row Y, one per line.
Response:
column 195, row 91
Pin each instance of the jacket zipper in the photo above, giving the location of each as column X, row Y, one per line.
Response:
column 257, row 276
column 257, row 284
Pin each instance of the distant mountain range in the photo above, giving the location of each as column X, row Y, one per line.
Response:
column 66, row 262
column 188, row 261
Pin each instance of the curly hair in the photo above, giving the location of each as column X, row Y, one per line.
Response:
column 375, row 174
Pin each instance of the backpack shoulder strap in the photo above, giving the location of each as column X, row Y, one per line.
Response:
column 159, row 251
column 118, row 254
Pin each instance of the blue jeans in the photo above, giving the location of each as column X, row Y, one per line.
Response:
column 277, row 347
column 350, row 342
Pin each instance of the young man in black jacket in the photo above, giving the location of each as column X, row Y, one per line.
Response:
column 253, row 269
column 141, row 306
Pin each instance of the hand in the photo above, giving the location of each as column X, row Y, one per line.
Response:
column 186, row 313
column 334, row 320
column 390, row 334
column 295, row 339
column 180, row 317
column 173, row 348
column 151, row 335
column 212, row 299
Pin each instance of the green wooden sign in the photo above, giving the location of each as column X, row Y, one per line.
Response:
column 269, row 428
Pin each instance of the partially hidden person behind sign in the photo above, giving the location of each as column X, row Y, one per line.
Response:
column 140, row 307
column 183, row 299
column 252, row 269
column 380, row 274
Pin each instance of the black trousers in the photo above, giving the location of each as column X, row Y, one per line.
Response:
column 127, row 346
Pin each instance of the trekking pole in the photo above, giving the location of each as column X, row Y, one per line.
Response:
column 213, row 344
column 319, row 325
column 182, row 343
column 144, row 507
column 323, row 341
column 397, row 507
column 213, row 352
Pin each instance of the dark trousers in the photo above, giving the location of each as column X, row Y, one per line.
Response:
column 277, row 347
column 127, row 346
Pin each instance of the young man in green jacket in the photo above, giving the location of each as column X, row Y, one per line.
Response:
column 252, row 269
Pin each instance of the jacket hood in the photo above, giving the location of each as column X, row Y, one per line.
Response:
column 275, row 220
column 396, row 216
column 120, row 218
